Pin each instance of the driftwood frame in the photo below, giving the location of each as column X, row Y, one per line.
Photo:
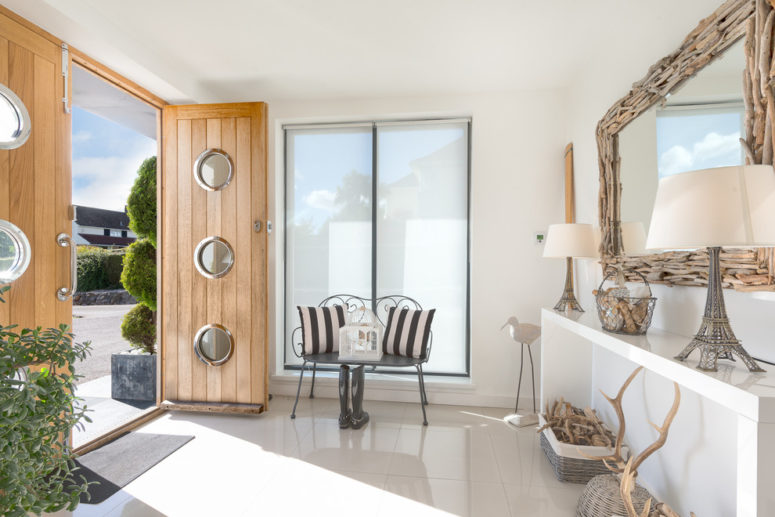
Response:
column 746, row 269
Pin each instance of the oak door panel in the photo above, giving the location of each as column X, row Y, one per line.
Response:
column 190, row 214
column 35, row 179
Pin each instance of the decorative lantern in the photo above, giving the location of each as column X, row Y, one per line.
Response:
column 361, row 336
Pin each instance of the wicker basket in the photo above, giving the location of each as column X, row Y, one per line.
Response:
column 601, row 498
column 568, row 464
column 621, row 313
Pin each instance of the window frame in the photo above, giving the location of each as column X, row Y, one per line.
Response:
column 375, row 123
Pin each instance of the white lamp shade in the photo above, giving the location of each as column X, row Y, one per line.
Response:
column 570, row 240
column 633, row 238
column 725, row 206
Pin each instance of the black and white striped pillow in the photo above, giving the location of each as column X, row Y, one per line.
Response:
column 407, row 332
column 320, row 328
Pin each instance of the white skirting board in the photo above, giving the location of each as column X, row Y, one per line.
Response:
column 403, row 389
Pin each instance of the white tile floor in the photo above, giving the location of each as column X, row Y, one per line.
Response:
column 466, row 462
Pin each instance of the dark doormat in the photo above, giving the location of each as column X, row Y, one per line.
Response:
column 116, row 464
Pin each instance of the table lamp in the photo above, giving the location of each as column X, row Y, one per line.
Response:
column 568, row 241
column 714, row 209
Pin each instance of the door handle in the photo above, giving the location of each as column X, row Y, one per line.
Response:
column 64, row 293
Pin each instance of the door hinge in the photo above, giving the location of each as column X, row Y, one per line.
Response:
column 66, row 75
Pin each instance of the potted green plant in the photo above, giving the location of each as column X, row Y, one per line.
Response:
column 133, row 374
column 37, row 413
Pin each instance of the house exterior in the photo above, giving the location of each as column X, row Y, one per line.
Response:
column 102, row 228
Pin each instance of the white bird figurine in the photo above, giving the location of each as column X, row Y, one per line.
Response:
column 524, row 334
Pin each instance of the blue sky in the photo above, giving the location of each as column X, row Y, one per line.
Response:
column 698, row 141
column 322, row 158
column 106, row 157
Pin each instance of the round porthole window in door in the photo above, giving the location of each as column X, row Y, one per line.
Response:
column 214, row 257
column 213, row 344
column 15, row 123
column 15, row 252
column 213, row 169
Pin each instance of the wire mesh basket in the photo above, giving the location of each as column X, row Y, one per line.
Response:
column 622, row 313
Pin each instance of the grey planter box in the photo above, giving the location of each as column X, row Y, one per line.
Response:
column 133, row 377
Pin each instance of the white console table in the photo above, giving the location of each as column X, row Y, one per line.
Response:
column 569, row 343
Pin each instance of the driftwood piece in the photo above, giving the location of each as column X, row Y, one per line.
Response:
column 734, row 19
column 576, row 426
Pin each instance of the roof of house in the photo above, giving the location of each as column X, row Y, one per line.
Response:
column 107, row 240
column 90, row 216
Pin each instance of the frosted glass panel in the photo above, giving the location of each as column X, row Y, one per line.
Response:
column 328, row 218
column 422, row 228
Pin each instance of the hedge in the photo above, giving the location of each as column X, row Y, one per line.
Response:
column 99, row 268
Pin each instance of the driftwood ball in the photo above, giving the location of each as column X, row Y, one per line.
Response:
column 601, row 498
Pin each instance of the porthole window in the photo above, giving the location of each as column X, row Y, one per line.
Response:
column 15, row 123
column 15, row 252
column 213, row 169
column 213, row 344
column 214, row 257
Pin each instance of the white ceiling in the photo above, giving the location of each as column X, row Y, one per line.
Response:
column 102, row 98
column 231, row 50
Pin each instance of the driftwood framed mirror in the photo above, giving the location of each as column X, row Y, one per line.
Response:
column 735, row 39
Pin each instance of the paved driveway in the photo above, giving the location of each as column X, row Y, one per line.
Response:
column 100, row 324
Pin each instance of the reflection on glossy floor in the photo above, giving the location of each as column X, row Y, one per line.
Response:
column 466, row 462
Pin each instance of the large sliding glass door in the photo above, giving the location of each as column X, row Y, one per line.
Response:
column 413, row 241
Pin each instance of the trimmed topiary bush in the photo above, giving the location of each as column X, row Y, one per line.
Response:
column 139, row 274
column 139, row 328
column 99, row 268
column 141, row 204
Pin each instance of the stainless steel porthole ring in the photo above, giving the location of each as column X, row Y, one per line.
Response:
column 198, row 169
column 198, row 339
column 23, row 132
column 22, row 247
column 198, row 256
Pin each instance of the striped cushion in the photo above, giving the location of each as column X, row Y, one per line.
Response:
column 320, row 328
column 407, row 332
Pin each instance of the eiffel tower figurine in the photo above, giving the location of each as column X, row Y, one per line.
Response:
column 568, row 300
column 715, row 339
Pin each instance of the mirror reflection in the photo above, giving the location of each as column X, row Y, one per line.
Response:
column 699, row 126
column 213, row 169
column 213, row 344
column 14, row 120
column 14, row 252
column 214, row 257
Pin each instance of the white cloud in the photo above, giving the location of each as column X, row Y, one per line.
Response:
column 321, row 199
column 81, row 136
column 106, row 182
column 674, row 160
column 713, row 150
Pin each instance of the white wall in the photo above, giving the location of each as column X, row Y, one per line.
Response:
column 516, row 189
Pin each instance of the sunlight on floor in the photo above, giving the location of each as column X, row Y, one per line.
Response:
column 466, row 462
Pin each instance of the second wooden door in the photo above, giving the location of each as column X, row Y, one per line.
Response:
column 193, row 210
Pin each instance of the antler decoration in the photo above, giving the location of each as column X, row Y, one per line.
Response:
column 629, row 469
column 616, row 457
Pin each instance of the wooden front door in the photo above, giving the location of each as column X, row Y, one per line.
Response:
column 35, row 184
column 237, row 300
